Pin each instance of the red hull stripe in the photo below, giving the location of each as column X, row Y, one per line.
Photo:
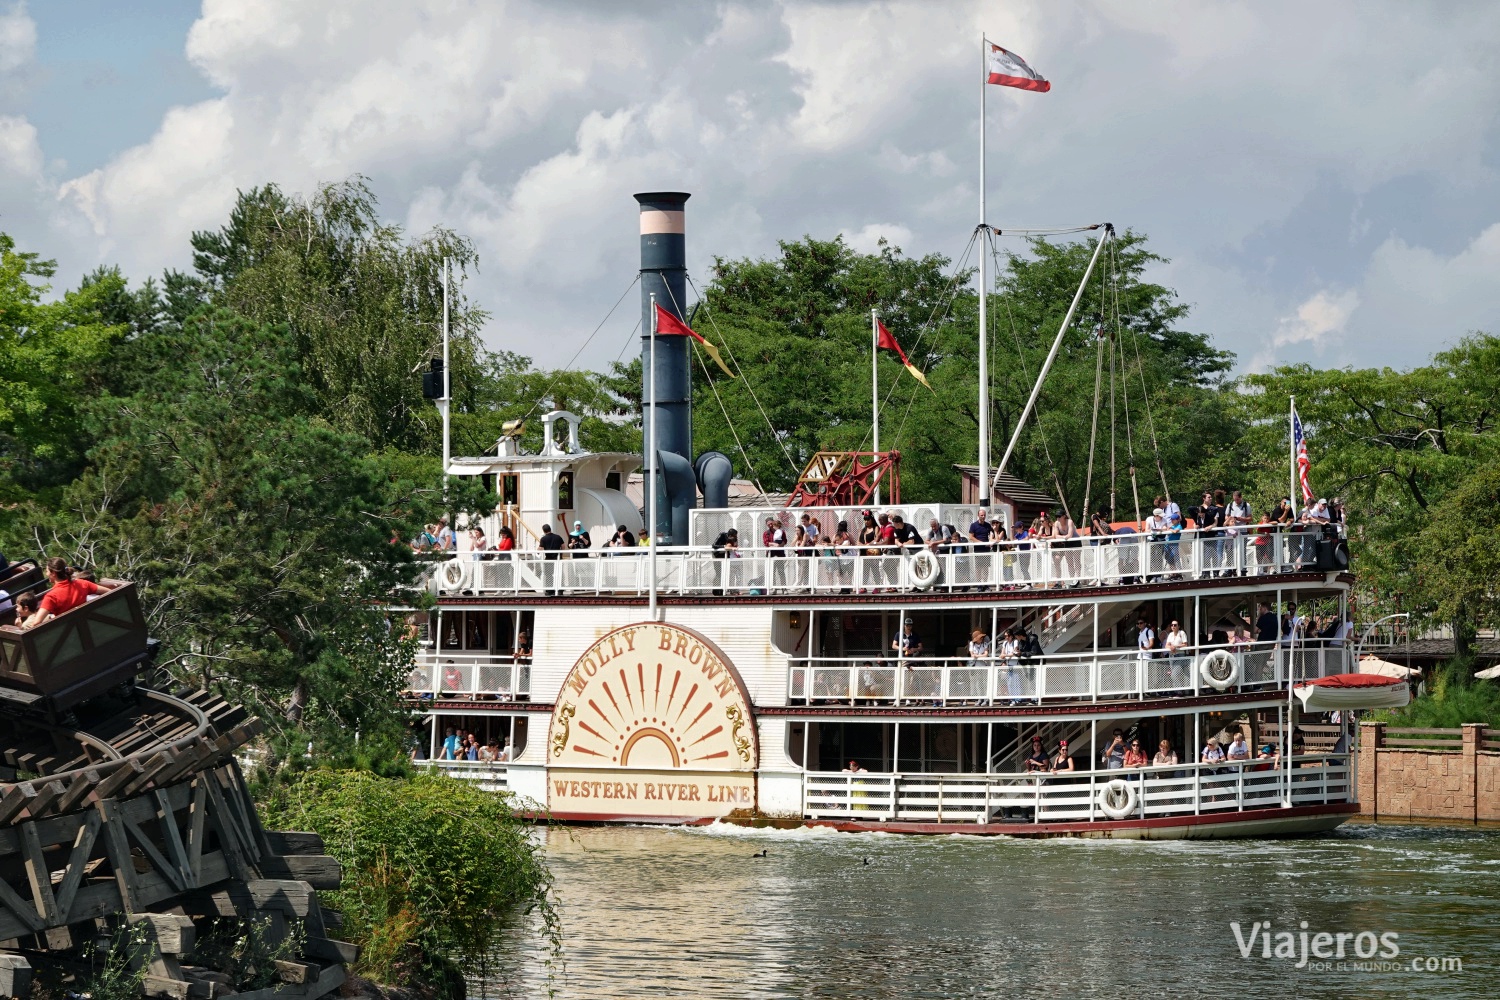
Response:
column 1190, row 822
column 1021, row 83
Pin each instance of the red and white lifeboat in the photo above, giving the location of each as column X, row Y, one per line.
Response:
column 1344, row 691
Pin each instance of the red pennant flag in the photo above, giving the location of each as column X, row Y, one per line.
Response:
column 669, row 324
column 1009, row 70
column 889, row 343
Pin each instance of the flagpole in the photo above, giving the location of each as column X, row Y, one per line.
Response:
column 447, row 397
column 984, row 288
column 875, row 392
column 1291, row 441
column 651, row 473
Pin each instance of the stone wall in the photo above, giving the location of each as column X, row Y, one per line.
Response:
column 1459, row 785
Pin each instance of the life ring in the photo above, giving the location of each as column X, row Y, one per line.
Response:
column 1220, row 669
column 454, row 575
column 924, row 568
column 1117, row 799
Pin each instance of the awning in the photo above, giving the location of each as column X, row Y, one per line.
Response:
column 1385, row 668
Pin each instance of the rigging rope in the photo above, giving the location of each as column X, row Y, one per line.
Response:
column 703, row 302
column 749, row 465
column 1021, row 353
column 946, row 307
column 1088, row 488
column 1129, row 440
column 1145, row 396
column 565, row 369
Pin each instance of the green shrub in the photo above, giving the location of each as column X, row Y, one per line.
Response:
column 435, row 870
column 1453, row 698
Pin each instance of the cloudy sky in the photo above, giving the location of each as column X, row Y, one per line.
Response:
column 1324, row 177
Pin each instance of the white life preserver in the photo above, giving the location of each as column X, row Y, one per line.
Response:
column 1220, row 669
column 454, row 575
column 924, row 568
column 1117, row 799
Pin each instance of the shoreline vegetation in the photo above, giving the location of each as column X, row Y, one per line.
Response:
column 247, row 439
column 435, row 872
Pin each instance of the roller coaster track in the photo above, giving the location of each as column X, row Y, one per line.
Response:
column 131, row 810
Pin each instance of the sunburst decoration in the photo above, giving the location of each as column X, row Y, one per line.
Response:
column 647, row 697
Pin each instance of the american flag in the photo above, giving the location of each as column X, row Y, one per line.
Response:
column 1299, row 442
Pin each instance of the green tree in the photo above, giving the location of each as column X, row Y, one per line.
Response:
column 799, row 327
column 50, row 361
column 1394, row 445
column 257, row 531
column 363, row 304
column 1458, row 558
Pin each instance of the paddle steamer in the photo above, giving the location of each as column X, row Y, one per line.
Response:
column 687, row 684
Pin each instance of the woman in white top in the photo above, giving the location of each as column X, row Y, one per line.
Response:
column 1157, row 527
column 979, row 648
column 1010, row 651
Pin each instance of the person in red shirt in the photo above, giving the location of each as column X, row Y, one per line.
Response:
column 66, row 593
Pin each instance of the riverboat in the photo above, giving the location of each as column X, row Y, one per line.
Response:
column 683, row 682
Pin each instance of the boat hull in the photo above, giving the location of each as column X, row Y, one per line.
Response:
column 1250, row 824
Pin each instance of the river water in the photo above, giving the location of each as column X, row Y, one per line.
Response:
column 663, row 912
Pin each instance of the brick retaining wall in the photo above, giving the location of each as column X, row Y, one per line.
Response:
column 1459, row 785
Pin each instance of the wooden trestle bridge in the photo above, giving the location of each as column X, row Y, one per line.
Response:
column 123, row 811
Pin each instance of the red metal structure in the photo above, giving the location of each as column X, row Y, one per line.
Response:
column 847, row 479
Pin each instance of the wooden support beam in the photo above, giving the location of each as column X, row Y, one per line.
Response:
column 78, row 859
column 45, row 797
column 330, row 950
column 318, row 870
column 295, row 842
column 123, row 774
column 16, row 798
column 15, row 975
column 39, row 874
column 78, row 790
column 120, row 858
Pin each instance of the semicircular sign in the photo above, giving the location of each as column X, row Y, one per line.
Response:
column 652, row 722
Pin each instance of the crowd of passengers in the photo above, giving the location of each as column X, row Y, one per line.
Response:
column 1020, row 649
column 1122, row 754
column 460, row 744
column 884, row 534
column 67, row 588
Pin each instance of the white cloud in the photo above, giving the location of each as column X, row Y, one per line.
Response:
column 1319, row 319
column 17, row 38
column 528, row 125
column 20, row 153
column 867, row 239
column 1417, row 301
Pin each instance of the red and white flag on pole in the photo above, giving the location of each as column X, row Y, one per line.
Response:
column 1009, row 70
column 889, row 343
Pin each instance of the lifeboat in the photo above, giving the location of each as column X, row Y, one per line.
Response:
column 1345, row 691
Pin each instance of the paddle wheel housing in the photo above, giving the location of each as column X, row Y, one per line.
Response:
column 847, row 479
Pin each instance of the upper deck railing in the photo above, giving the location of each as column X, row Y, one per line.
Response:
column 1109, row 675
column 1027, row 565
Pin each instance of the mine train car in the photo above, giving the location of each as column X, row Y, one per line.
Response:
column 55, row 666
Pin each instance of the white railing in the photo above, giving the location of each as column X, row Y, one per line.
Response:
column 469, row 675
column 1110, row 675
column 1189, row 789
column 1106, row 561
column 488, row 775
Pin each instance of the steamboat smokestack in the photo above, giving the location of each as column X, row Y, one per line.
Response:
column 664, row 272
